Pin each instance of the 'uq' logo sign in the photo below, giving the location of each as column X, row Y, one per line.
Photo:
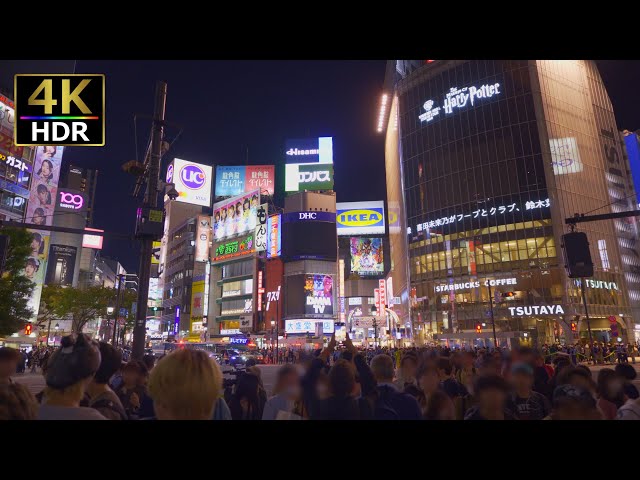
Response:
column 192, row 177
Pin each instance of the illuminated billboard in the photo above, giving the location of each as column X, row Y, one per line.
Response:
column 565, row 156
column 203, row 237
column 274, row 238
column 193, row 181
column 93, row 241
column 308, row 326
column 300, row 177
column 236, row 180
column 236, row 248
column 360, row 218
column 309, row 150
column 235, row 216
column 318, row 292
column 61, row 265
column 367, row 258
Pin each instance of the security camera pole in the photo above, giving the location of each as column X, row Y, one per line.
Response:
column 152, row 174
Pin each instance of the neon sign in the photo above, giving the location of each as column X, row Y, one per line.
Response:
column 235, row 249
column 458, row 98
column 71, row 200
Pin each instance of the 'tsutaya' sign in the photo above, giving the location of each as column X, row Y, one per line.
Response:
column 536, row 310
column 459, row 98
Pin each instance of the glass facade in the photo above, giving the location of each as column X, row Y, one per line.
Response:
column 494, row 155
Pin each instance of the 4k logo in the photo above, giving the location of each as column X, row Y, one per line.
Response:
column 59, row 109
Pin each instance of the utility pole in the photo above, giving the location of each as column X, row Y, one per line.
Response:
column 152, row 173
column 117, row 311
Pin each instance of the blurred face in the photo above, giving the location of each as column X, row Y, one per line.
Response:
column 467, row 361
column 429, row 382
column 291, row 385
column 46, row 169
column 492, row 399
column 409, row 368
column 29, row 270
column 130, row 377
column 38, row 219
column 35, row 245
column 49, row 151
column 42, row 195
column 521, row 382
column 447, row 412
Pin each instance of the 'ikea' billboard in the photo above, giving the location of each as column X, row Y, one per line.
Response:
column 360, row 218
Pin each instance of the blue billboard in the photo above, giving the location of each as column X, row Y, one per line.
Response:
column 229, row 181
column 632, row 142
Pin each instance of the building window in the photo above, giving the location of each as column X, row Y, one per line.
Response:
column 604, row 256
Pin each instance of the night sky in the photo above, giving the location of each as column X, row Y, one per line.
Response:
column 225, row 107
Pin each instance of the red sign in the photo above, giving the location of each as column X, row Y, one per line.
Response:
column 259, row 177
column 382, row 292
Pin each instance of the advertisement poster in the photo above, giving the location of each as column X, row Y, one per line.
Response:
column 197, row 307
column 193, row 181
column 61, row 264
column 318, row 290
column 274, row 239
column 203, row 237
column 299, row 177
column 235, row 248
column 367, row 256
column 235, row 180
column 44, row 186
column 235, row 216
column 44, row 191
column 565, row 156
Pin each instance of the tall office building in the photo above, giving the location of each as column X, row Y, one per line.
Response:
column 485, row 159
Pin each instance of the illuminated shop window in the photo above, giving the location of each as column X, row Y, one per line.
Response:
column 604, row 255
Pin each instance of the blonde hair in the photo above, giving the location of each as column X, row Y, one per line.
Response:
column 187, row 383
column 17, row 403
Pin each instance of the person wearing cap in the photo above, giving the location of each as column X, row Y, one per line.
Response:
column 9, row 358
column 523, row 401
column 69, row 371
column 573, row 403
column 491, row 393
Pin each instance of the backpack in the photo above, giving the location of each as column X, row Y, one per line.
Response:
column 382, row 410
column 105, row 403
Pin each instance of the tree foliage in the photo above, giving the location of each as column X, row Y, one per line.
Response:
column 15, row 287
column 47, row 312
column 82, row 305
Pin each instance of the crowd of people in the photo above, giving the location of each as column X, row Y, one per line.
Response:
column 87, row 380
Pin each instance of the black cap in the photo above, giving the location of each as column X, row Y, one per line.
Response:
column 77, row 358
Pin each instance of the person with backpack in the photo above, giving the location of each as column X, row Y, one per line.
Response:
column 390, row 403
column 102, row 398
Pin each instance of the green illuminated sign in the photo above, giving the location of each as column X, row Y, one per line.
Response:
column 235, row 248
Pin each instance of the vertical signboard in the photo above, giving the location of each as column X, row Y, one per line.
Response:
column 61, row 264
column 341, row 290
column 382, row 296
column 274, row 238
column 203, row 238
column 261, row 228
column 197, row 309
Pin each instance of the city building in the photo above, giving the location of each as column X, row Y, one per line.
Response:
column 310, row 255
column 485, row 159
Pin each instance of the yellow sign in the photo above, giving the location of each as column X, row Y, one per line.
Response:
column 197, row 307
column 155, row 253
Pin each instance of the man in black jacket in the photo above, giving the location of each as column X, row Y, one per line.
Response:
column 391, row 402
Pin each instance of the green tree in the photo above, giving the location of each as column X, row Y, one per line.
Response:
column 47, row 312
column 82, row 305
column 15, row 287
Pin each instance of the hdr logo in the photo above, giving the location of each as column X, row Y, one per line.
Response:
column 59, row 109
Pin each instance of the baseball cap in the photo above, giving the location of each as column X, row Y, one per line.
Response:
column 77, row 358
column 564, row 393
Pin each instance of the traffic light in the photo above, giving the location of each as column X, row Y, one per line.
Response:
column 574, row 326
column 27, row 329
column 509, row 295
column 478, row 328
column 577, row 257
